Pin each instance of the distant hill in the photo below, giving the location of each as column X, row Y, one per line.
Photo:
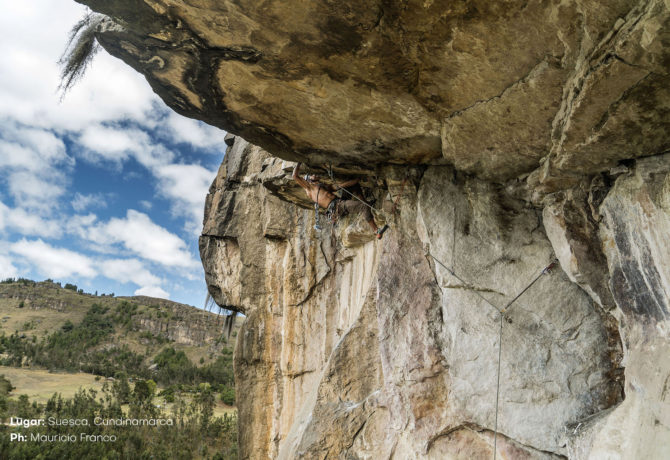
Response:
column 62, row 328
column 149, row 359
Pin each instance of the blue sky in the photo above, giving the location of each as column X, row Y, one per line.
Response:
column 106, row 188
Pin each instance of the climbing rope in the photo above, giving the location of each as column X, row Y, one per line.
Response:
column 465, row 283
column 501, row 312
column 495, row 424
column 330, row 173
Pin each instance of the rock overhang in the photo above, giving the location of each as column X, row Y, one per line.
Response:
column 558, row 89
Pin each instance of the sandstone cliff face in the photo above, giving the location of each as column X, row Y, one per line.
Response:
column 182, row 324
column 376, row 351
column 509, row 133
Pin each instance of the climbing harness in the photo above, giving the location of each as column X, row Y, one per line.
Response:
column 501, row 313
column 331, row 211
column 395, row 204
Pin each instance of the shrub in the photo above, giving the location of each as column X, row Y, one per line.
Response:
column 228, row 396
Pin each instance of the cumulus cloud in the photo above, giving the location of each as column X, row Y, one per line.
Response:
column 117, row 145
column 139, row 234
column 110, row 118
column 7, row 269
column 128, row 271
column 29, row 148
column 34, row 164
column 31, row 191
column 32, row 37
column 17, row 219
column 194, row 132
column 186, row 186
column 152, row 291
column 54, row 262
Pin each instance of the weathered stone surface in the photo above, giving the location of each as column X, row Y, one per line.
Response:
column 300, row 293
column 636, row 235
column 571, row 220
column 556, row 365
column 376, row 351
column 633, row 228
column 355, row 348
column 498, row 89
column 634, row 232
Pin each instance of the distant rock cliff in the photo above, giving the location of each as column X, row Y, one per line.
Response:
column 508, row 134
column 179, row 323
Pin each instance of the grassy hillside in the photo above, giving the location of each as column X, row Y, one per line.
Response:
column 44, row 325
column 63, row 348
column 38, row 309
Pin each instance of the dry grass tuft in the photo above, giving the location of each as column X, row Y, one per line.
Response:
column 79, row 51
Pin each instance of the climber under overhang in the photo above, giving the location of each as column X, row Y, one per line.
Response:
column 323, row 196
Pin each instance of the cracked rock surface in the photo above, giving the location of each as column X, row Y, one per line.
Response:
column 375, row 350
column 494, row 137
column 498, row 89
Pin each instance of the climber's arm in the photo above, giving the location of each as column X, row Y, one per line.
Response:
column 296, row 177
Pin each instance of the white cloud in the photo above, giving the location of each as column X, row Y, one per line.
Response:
column 189, row 183
column 128, row 271
column 107, row 144
column 54, row 262
column 139, row 234
column 186, row 186
column 28, row 148
column 110, row 117
column 81, row 202
column 31, row 191
column 31, row 42
column 26, row 223
column 34, row 162
column 79, row 224
column 194, row 132
column 135, row 234
column 7, row 269
column 63, row 263
column 152, row 291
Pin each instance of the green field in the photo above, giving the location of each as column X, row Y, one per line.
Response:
column 40, row 384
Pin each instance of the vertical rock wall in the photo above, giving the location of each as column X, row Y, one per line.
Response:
column 301, row 294
column 377, row 351
column 354, row 348
column 633, row 224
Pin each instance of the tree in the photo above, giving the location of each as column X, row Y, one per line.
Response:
column 5, row 385
column 120, row 388
column 144, row 391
